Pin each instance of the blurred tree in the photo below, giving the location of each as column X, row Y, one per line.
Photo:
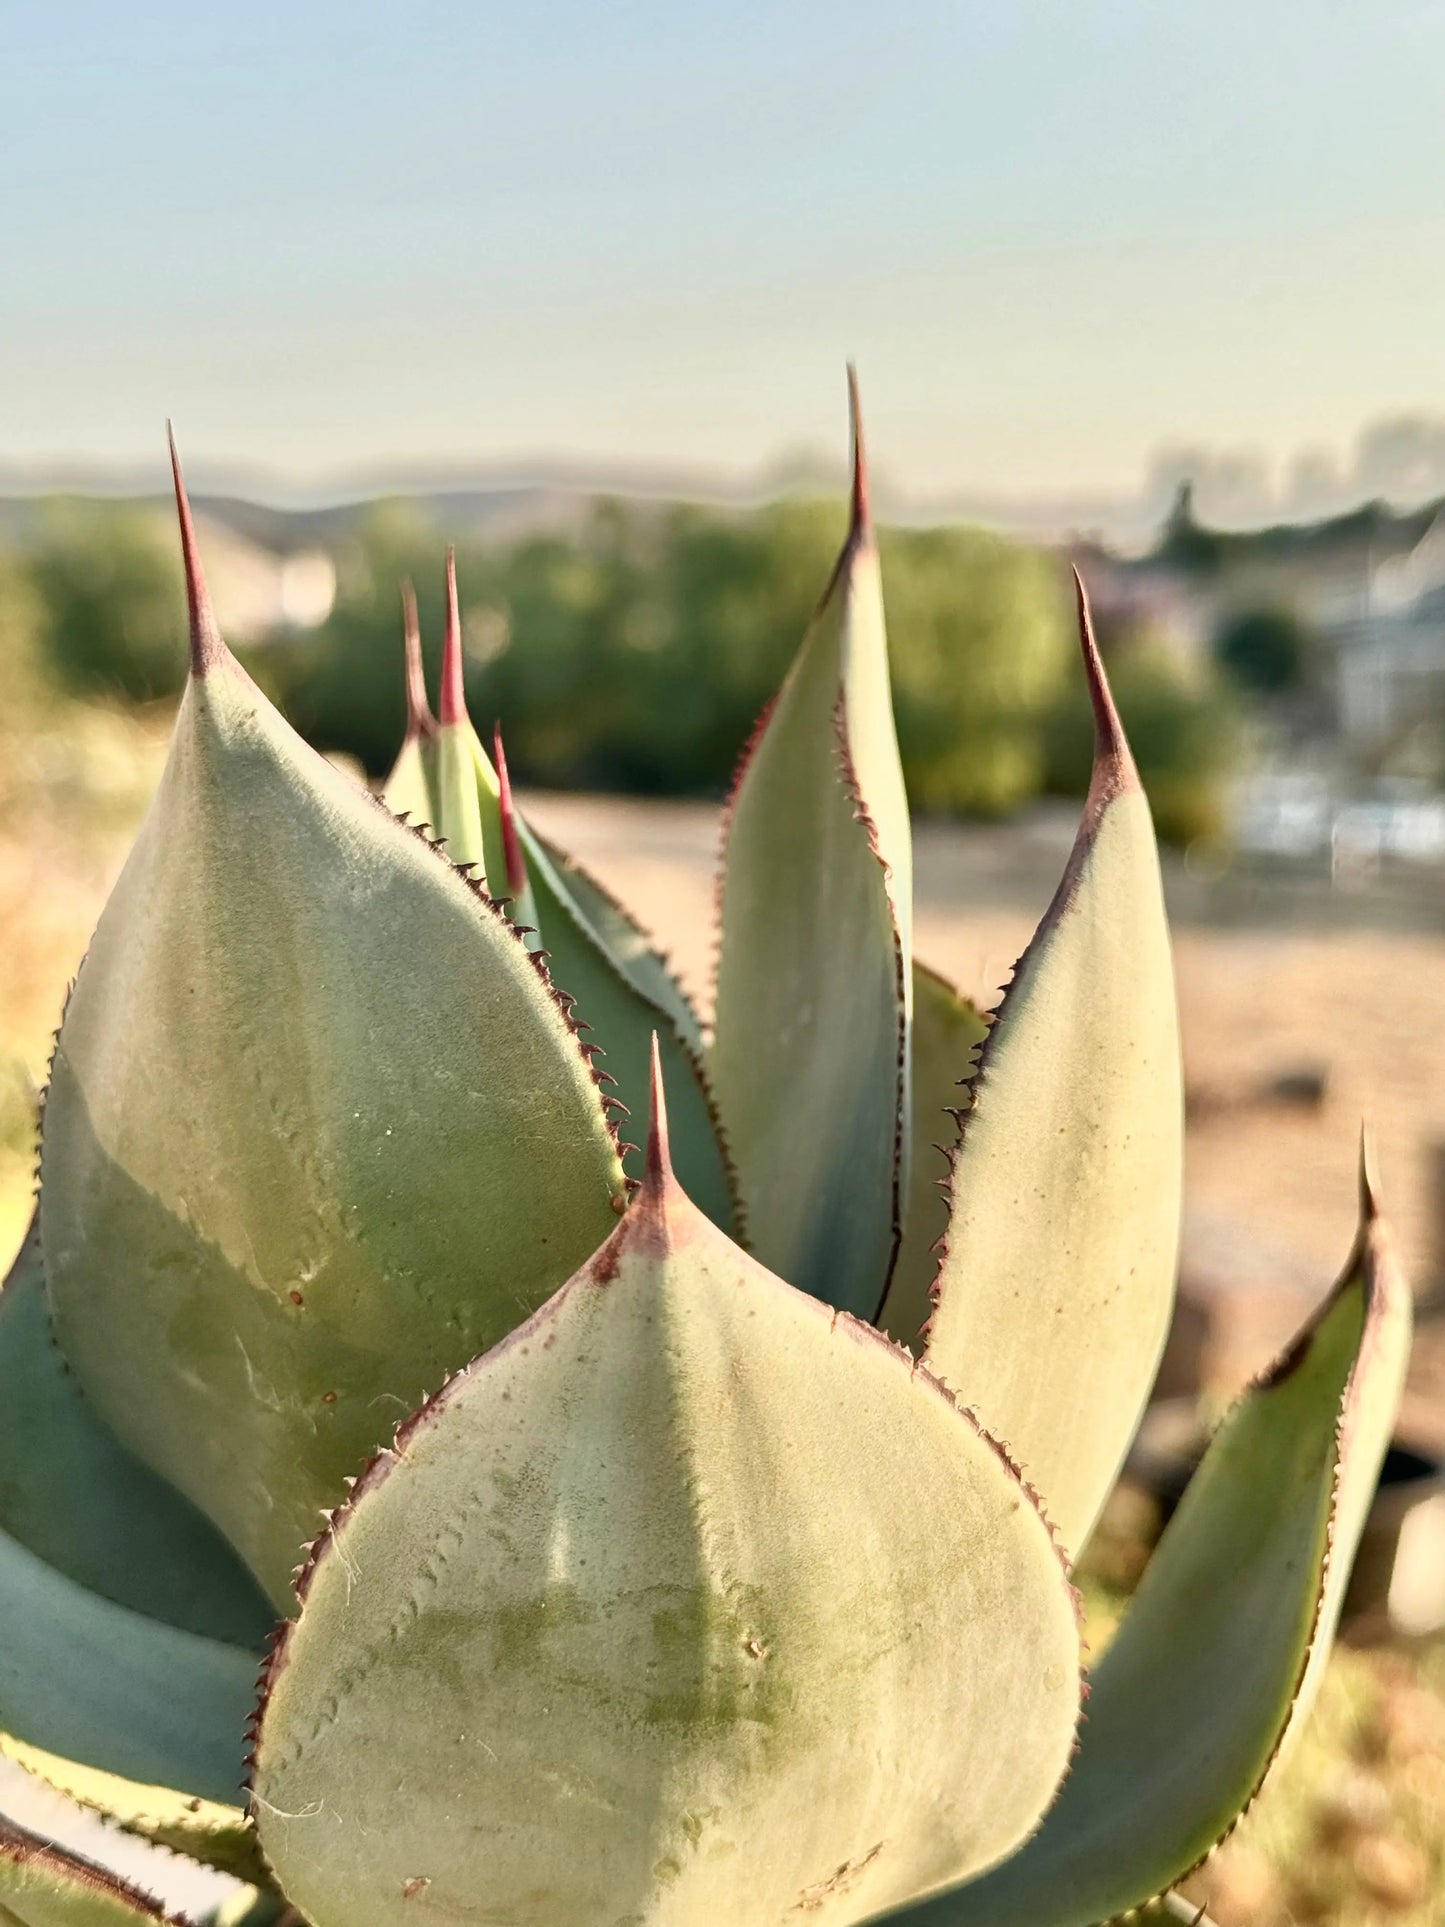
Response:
column 981, row 640
column 637, row 653
column 109, row 578
column 1184, row 728
column 1266, row 650
column 342, row 685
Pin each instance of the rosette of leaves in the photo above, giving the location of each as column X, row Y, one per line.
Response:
column 684, row 1532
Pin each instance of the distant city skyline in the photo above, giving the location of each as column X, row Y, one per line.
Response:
column 1075, row 250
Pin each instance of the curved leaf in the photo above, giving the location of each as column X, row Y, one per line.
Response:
column 42, row 1885
column 317, row 1130
column 947, row 1031
column 1056, row 1284
column 629, row 945
column 72, row 1494
column 129, row 1630
column 100, row 1684
column 624, row 1018
column 814, row 987
column 213, row 1833
column 1219, row 1657
column 587, row 1646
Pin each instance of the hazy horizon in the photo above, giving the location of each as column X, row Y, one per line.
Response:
column 1076, row 253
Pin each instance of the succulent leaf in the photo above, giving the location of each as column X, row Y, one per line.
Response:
column 622, row 997
column 814, row 985
column 521, row 904
column 947, row 1031
column 1056, row 1284
column 129, row 1630
column 411, row 787
column 1219, row 1657
column 598, row 957
column 317, row 1127
column 212, row 1833
column 100, row 1684
column 585, row 1645
column 458, row 817
column 624, row 1017
column 627, row 943
column 72, row 1495
column 43, row 1885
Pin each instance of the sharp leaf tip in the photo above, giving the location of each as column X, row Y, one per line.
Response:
column 453, row 689
column 659, row 1155
column 1369, row 1177
column 207, row 646
column 862, row 515
column 1113, row 760
column 516, row 861
column 419, row 720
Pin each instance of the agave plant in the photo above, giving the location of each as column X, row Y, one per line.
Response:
column 685, row 1532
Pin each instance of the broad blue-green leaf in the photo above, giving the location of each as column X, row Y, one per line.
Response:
column 623, row 1017
column 810, row 1052
column 129, row 1631
column 629, row 945
column 1057, row 1278
column 1219, row 1657
column 643, row 1620
column 113, row 1689
column 317, row 1132
column 947, row 1031
column 73, row 1495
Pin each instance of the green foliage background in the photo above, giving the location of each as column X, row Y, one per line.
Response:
column 634, row 651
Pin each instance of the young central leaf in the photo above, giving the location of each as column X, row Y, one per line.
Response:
column 643, row 1620
column 814, row 984
column 597, row 956
column 317, row 1130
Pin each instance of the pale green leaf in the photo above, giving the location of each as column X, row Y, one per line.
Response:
column 317, row 1129
column 1217, row 1662
column 42, row 1885
column 214, row 1833
column 411, row 787
column 72, row 1494
column 644, row 1619
column 1057, row 1280
column 458, row 813
column 810, row 1053
column 947, row 1030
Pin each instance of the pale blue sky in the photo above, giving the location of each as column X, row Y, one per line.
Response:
column 332, row 235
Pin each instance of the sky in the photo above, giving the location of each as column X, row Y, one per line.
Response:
column 1064, row 242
